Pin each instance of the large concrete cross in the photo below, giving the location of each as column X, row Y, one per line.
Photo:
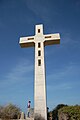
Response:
column 39, row 41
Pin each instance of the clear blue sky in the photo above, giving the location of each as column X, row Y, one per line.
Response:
column 18, row 18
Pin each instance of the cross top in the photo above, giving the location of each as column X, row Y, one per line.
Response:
column 39, row 29
column 48, row 39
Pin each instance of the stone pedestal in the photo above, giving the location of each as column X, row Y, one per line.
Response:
column 29, row 119
column 22, row 116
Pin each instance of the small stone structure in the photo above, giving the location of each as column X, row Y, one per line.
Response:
column 22, row 116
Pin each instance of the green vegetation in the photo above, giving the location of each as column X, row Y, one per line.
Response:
column 60, row 112
column 9, row 112
column 65, row 112
column 55, row 111
column 72, row 112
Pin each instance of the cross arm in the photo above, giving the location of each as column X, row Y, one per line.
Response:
column 52, row 39
column 27, row 41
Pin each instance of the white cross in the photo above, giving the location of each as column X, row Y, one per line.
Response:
column 39, row 41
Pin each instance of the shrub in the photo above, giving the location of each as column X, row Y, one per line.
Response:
column 9, row 112
column 55, row 111
column 72, row 112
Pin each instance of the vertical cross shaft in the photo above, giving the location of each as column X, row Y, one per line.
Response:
column 40, row 86
column 39, row 41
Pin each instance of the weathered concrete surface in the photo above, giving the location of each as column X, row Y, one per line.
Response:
column 40, row 81
column 29, row 119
